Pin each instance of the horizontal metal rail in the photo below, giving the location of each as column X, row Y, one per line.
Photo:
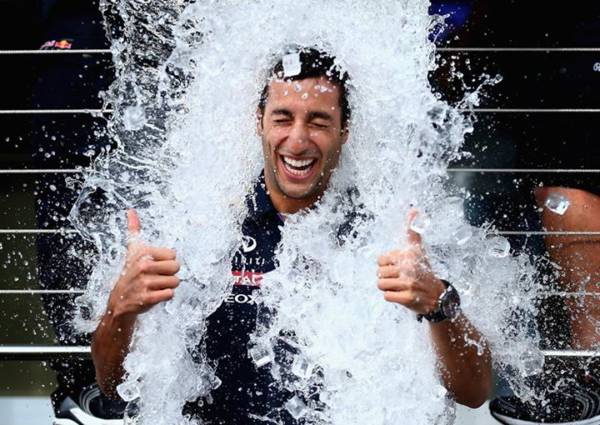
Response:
column 439, row 49
column 57, row 52
column 571, row 353
column 43, row 171
column 532, row 110
column 502, row 232
column 450, row 170
column 96, row 111
column 520, row 49
column 9, row 352
column 547, row 233
column 55, row 111
column 36, row 231
column 41, row 292
column 37, row 352
column 473, row 110
column 81, row 292
column 525, row 170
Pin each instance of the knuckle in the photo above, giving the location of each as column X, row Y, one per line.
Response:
column 143, row 266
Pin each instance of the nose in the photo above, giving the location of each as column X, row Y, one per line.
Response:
column 298, row 133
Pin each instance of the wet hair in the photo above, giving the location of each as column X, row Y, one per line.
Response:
column 313, row 64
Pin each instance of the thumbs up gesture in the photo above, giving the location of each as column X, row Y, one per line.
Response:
column 148, row 276
column 406, row 278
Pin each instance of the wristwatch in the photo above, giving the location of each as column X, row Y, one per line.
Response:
column 448, row 306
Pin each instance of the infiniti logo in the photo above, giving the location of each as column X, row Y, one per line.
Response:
column 596, row 67
column 248, row 243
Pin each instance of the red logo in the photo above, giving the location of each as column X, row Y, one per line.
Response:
column 246, row 278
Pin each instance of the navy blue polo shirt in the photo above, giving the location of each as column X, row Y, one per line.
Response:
column 246, row 391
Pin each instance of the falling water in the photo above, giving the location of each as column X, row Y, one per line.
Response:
column 189, row 75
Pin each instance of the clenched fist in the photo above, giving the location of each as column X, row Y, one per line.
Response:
column 406, row 278
column 147, row 278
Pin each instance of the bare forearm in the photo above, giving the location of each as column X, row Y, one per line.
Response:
column 465, row 368
column 110, row 344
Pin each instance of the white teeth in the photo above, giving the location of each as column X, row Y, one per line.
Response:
column 298, row 163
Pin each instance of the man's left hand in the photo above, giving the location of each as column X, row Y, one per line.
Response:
column 406, row 277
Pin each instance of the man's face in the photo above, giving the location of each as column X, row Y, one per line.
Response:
column 302, row 136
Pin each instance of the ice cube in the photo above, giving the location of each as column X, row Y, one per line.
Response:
column 296, row 407
column 131, row 413
column 128, row 390
column 261, row 355
column 134, row 118
column 532, row 362
column 499, row 247
column 420, row 223
column 291, row 64
column 463, row 234
column 302, row 367
column 558, row 204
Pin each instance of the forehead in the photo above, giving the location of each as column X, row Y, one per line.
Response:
column 310, row 94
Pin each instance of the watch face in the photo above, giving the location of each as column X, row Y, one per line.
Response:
column 450, row 303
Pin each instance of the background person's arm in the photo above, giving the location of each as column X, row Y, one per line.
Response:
column 147, row 279
column 578, row 258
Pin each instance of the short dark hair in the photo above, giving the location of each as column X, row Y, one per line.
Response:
column 313, row 64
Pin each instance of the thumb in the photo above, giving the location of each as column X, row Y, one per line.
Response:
column 133, row 225
column 414, row 238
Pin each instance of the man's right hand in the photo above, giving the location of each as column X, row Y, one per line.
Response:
column 147, row 278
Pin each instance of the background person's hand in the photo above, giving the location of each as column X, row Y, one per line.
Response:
column 406, row 278
column 147, row 278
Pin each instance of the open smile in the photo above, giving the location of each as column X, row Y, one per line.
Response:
column 298, row 168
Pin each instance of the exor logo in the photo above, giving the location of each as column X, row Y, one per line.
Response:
column 240, row 298
column 596, row 67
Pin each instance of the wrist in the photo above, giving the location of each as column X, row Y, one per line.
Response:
column 447, row 308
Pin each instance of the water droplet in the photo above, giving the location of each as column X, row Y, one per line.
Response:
column 297, row 87
column 304, row 96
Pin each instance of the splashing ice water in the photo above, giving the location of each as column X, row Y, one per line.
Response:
column 196, row 71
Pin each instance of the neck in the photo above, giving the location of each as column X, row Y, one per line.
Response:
column 286, row 205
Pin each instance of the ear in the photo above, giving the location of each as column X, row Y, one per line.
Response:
column 259, row 122
column 345, row 134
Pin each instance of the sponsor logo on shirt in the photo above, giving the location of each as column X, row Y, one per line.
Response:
column 246, row 278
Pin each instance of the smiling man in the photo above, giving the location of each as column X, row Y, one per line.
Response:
column 303, row 122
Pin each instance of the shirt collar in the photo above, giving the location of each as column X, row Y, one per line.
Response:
column 259, row 204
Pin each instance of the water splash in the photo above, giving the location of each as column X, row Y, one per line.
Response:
column 189, row 76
